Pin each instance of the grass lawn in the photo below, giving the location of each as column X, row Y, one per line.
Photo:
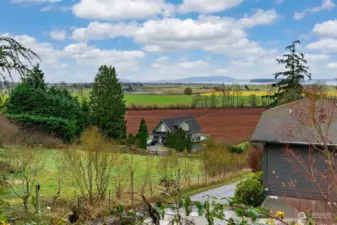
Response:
column 48, row 177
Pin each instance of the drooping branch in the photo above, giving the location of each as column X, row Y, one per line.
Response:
column 14, row 57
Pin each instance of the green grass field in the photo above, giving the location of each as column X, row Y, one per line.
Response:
column 48, row 177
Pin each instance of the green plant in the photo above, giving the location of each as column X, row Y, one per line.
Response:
column 188, row 91
column 142, row 134
column 107, row 103
column 12, row 54
column 249, row 192
column 238, row 148
column 290, row 87
column 258, row 176
column 65, row 129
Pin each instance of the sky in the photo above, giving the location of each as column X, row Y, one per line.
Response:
column 148, row 40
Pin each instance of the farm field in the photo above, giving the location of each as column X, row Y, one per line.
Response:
column 160, row 100
column 229, row 125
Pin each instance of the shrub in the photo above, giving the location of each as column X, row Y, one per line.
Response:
column 249, row 192
column 238, row 148
column 188, row 91
column 65, row 129
column 259, row 177
column 255, row 159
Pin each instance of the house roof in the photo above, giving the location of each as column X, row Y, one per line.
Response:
column 299, row 122
column 173, row 122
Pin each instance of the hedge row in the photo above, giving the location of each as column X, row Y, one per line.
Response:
column 62, row 128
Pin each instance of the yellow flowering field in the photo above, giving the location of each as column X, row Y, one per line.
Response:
column 241, row 93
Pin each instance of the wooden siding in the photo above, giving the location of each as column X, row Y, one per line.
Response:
column 284, row 178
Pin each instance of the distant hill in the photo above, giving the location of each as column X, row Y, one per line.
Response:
column 200, row 80
column 264, row 80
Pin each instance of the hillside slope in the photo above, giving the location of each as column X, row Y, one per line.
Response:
column 11, row 133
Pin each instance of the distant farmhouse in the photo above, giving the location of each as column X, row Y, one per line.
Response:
column 169, row 125
column 291, row 126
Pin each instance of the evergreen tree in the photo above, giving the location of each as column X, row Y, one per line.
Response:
column 142, row 134
column 296, row 70
column 107, row 103
column 35, row 78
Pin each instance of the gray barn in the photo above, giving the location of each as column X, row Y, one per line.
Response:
column 291, row 126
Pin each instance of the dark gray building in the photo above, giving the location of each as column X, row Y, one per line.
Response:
column 169, row 125
column 288, row 133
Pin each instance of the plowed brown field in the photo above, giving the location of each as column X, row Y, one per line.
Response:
column 228, row 125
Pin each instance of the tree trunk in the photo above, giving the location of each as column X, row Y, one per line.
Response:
column 25, row 204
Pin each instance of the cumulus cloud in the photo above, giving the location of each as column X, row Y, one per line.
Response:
column 208, row 6
column 118, row 9
column 260, row 17
column 209, row 33
column 327, row 28
column 58, row 34
column 324, row 45
column 87, row 56
column 325, row 5
column 99, row 31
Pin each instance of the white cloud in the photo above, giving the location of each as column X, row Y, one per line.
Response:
column 221, row 71
column 118, row 9
column 327, row 28
column 210, row 33
column 260, row 17
column 166, row 69
column 208, row 6
column 35, row 1
column 58, row 34
column 88, row 58
column 98, row 31
column 85, row 54
column 332, row 65
column 326, row 5
column 324, row 45
column 193, row 65
column 316, row 57
column 61, row 8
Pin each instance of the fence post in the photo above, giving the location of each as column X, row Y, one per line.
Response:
column 179, row 179
column 38, row 198
column 109, row 201
column 198, row 179
column 132, row 188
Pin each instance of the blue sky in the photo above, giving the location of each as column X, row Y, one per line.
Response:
column 170, row 39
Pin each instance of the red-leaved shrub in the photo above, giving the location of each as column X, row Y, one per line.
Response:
column 255, row 158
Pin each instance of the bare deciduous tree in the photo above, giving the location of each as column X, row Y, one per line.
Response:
column 28, row 164
column 92, row 164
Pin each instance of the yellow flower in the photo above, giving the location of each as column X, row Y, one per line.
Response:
column 3, row 222
column 280, row 214
column 270, row 222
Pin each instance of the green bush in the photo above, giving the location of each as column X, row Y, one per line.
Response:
column 51, row 103
column 258, row 176
column 249, row 192
column 62, row 128
column 240, row 148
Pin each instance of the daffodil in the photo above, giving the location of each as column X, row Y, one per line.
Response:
column 280, row 214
